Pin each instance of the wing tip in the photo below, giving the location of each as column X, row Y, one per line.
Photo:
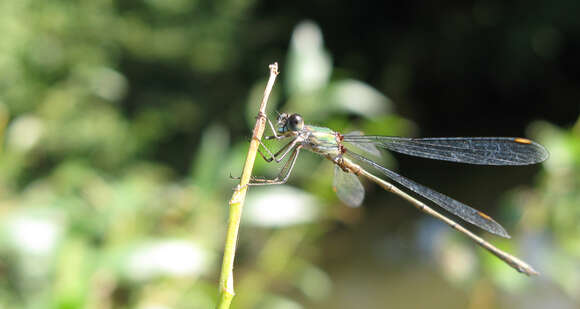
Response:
column 497, row 229
column 493, row 226
column 502, row 232
column 541, row 154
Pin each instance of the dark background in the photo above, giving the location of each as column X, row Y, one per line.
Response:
column 473, row 68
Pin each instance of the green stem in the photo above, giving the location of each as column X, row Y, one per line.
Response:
column 226, row 284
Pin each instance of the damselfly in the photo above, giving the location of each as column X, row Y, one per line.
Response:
column 350, row 163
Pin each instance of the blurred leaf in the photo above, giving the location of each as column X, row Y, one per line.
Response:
column 315, row 283
column 279, row 206
column 277, row 302
column 210, row 157
column 73, row 274
column 309, row 65
column 33, row 232
column 358, row 98
column 166, row 258
column 24, row 133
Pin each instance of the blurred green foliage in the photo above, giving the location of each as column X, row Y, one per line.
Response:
column 90, row 218
column 115, row 119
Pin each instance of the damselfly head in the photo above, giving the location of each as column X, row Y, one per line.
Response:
column 293, row 122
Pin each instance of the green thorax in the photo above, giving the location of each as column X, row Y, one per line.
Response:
column 322, row 140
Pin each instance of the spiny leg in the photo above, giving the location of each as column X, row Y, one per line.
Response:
column 287, row 148
column 272, row 156
column 275, row 136
column 270, row 124
column 284, row 172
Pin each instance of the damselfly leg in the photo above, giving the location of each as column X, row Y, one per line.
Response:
column 284, row 172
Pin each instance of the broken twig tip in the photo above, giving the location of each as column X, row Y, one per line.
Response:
column 274, row 68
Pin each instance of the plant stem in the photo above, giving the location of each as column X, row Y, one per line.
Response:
column 226, row 284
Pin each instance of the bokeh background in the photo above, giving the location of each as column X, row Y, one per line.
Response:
column 121, row 121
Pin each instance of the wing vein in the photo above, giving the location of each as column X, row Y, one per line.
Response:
column 472, row 150
column 455, row 207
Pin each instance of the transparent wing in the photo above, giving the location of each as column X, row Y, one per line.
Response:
column 364, row 146
column 472, row 150
column 348, row 187
column 455, row 207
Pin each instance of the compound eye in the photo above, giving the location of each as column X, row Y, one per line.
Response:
column 295, row 122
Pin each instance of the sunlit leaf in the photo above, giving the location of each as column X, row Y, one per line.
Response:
column 173, row 258
column 315, row 283
column 278, row 206
column 358, row 98
column 210, row 156
column 309, row 66
column 25, row 132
